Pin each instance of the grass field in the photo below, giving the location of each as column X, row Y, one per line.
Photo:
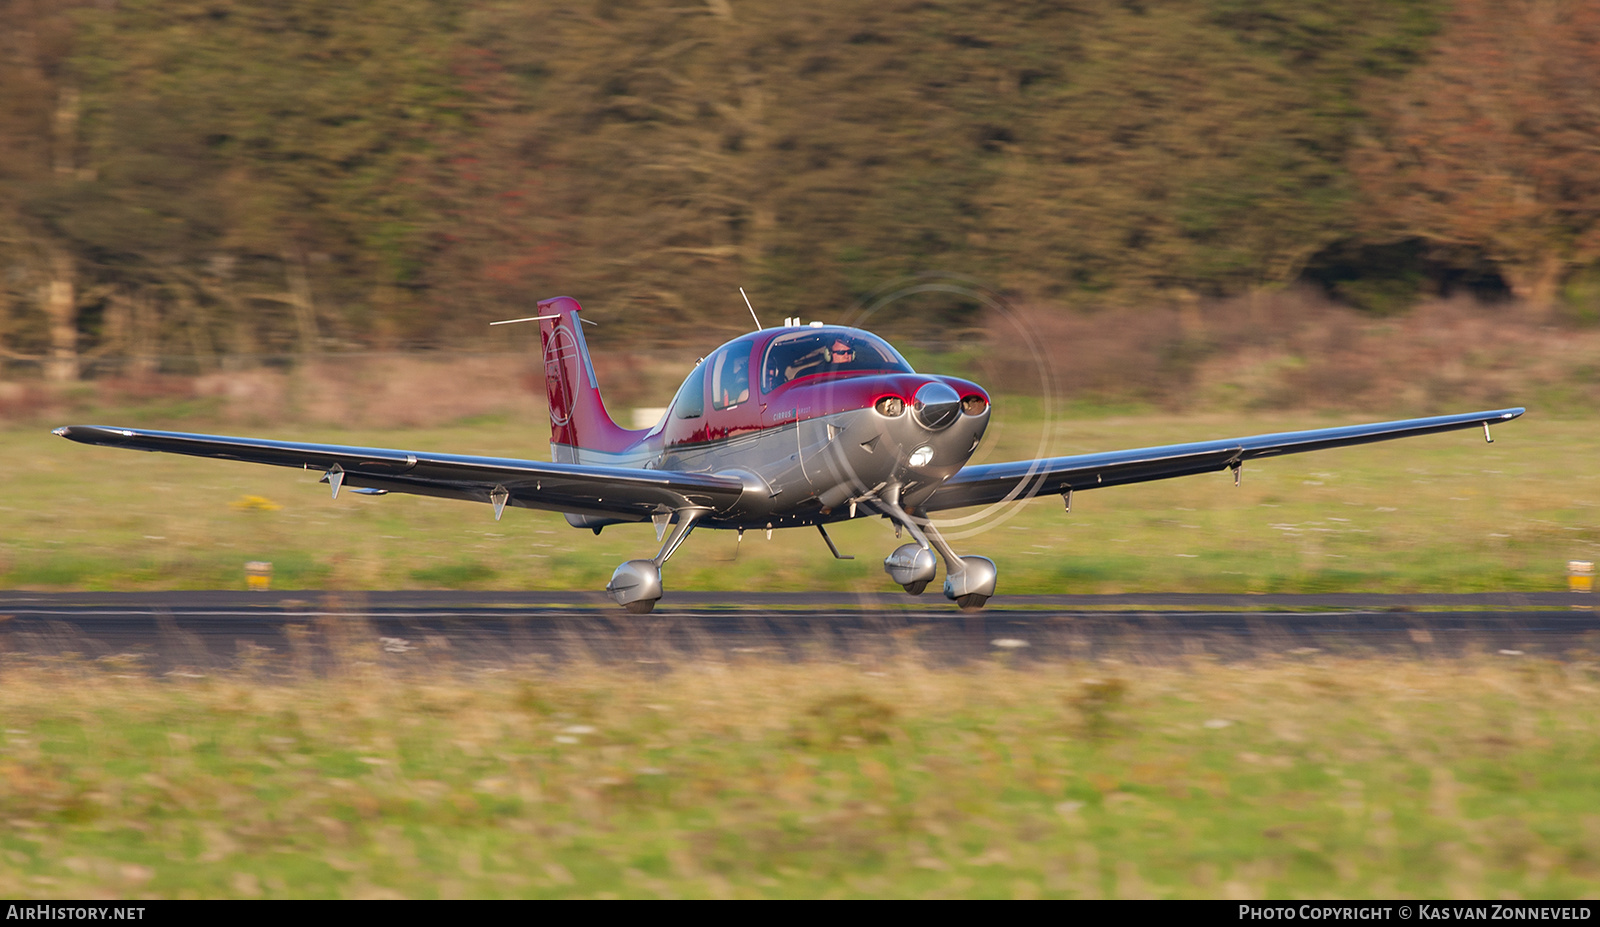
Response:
column 1440, row 513
column 1292, row 777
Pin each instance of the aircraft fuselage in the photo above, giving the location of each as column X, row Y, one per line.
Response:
column 808, row 435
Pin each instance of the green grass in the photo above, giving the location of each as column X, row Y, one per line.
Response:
column 468, row 574
column 402, row 775
column 1441, row 513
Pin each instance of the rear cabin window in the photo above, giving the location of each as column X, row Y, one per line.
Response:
column 803, row 354
column 730, row 377
column 691, row 398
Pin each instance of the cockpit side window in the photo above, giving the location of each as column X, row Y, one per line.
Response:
column 802, row 354
column 730, row 377
column 691, row 399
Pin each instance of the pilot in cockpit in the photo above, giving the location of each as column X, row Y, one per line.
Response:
column 828, row 356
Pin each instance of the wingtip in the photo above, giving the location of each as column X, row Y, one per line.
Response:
column 90, row 434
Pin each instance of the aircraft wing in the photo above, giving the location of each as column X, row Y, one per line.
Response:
column 602, row 491
column 989, row 483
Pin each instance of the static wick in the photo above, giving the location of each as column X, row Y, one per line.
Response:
column 752, row 308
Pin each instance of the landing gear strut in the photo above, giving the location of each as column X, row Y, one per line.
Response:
column 969, row 581
column 636, row 584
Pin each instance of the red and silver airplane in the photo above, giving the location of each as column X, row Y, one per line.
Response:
column 795, row 426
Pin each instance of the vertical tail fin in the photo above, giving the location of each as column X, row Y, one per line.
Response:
column 578, row 418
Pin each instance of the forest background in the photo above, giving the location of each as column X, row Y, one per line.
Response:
column 198, row 185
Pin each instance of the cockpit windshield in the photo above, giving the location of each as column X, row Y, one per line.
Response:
column 805, row 353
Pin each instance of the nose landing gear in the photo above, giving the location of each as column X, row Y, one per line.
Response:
column 969, row 581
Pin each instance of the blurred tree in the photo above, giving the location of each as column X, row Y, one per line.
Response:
column 1494, row 144
column 287, row 175
column 888, row 128
column 40, row 106
column 607, row 159
column 820, row 150
column 249, row 154
column 1193, row 147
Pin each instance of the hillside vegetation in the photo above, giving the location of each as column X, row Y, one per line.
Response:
column 209, row 178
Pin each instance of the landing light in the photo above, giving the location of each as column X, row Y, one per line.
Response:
column 921, row 456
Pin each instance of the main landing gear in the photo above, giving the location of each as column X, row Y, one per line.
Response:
column 636, row 584
column 969, row 581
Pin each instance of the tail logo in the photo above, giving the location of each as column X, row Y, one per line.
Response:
column 557, row 377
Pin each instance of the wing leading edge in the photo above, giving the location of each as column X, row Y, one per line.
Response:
column 602, row 491
column 1023, row 479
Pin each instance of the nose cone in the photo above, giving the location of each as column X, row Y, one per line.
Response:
column 936, row 405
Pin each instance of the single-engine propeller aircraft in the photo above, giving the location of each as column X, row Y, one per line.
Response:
column 794, row 426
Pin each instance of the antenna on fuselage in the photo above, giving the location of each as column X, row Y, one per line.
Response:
column 752, row 309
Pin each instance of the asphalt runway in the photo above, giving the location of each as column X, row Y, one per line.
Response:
column 279, row 632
